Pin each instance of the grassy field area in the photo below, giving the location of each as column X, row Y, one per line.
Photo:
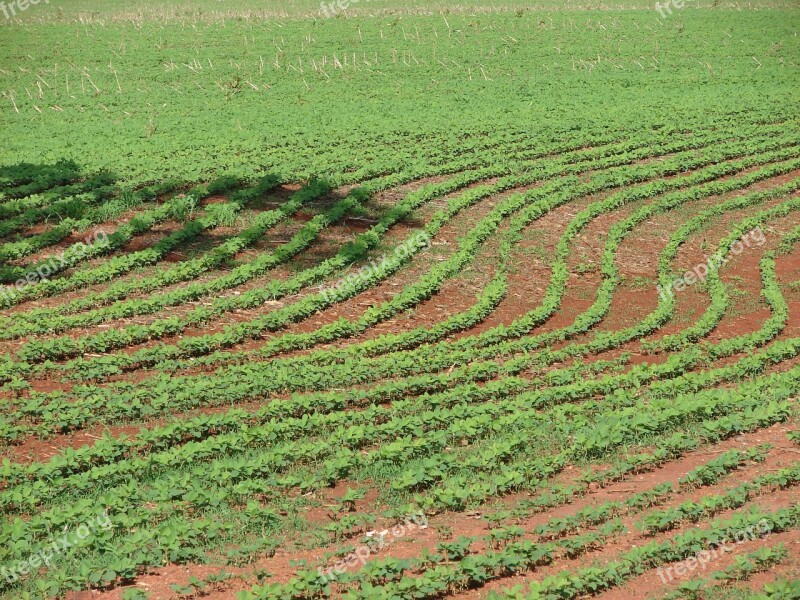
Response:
column 191, row 97
column 399, row 300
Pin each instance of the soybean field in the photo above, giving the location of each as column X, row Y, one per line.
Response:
column 399, row 300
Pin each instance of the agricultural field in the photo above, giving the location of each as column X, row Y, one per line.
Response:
column 402, row 300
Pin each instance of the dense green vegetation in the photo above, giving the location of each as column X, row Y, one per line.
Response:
column 224, row 346
column 191, row 99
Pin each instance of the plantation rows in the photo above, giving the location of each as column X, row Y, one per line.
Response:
column 195, row 379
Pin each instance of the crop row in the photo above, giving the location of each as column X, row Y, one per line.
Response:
column 65, row 347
